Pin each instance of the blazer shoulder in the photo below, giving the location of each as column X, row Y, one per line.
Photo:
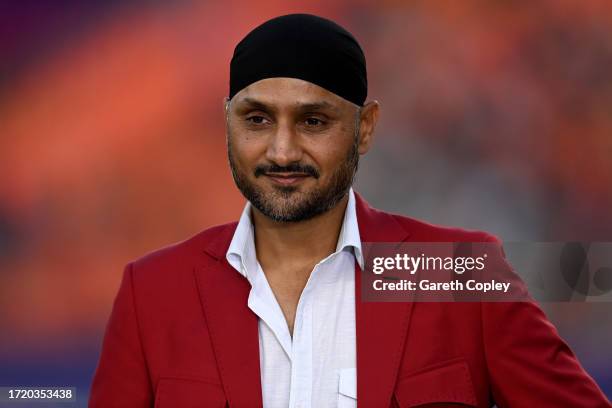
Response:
column 428, row 232
column 183, row 254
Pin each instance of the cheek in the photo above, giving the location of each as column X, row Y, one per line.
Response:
column 330, row 155
column 246, row 151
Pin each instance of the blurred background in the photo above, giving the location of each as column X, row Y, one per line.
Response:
column 496, row 115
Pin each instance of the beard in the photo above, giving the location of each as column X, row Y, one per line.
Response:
column 287, row 203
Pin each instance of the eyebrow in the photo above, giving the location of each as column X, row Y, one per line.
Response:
column 303, row 107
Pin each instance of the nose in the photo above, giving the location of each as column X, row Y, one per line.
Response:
column 284, row 146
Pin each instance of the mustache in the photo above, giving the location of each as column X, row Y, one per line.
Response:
column 292, row 168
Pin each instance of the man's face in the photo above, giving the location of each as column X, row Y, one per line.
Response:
column 293, row 147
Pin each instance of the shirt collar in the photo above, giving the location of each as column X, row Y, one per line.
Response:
column 349, row 237
column 241, row 252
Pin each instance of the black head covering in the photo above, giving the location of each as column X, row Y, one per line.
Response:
column 302, row 46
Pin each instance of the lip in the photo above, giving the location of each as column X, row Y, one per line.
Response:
column 287, row 179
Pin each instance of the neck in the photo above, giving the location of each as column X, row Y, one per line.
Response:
column 304, row 241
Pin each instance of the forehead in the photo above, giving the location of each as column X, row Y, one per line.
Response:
column 289, row 92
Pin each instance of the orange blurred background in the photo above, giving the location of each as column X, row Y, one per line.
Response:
column 495, row 115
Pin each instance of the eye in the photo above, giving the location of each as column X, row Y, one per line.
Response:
column 256, row 120
column 314, row 121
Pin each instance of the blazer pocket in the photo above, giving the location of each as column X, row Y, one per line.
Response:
column 447, row 384
column 188, row 393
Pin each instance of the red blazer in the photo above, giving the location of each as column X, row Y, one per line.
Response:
column 181, row 335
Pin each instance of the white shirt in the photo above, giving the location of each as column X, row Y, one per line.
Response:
column 317, row 368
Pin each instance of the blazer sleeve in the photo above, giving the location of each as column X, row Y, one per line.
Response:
column 121, row 378
column 529, row 364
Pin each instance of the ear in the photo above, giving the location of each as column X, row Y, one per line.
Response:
column 368, row 120
column 226, row 105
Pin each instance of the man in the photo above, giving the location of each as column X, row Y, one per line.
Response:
column 267, row 311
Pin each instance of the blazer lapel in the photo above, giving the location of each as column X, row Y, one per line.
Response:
column 232, row 325
column 381, row 328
